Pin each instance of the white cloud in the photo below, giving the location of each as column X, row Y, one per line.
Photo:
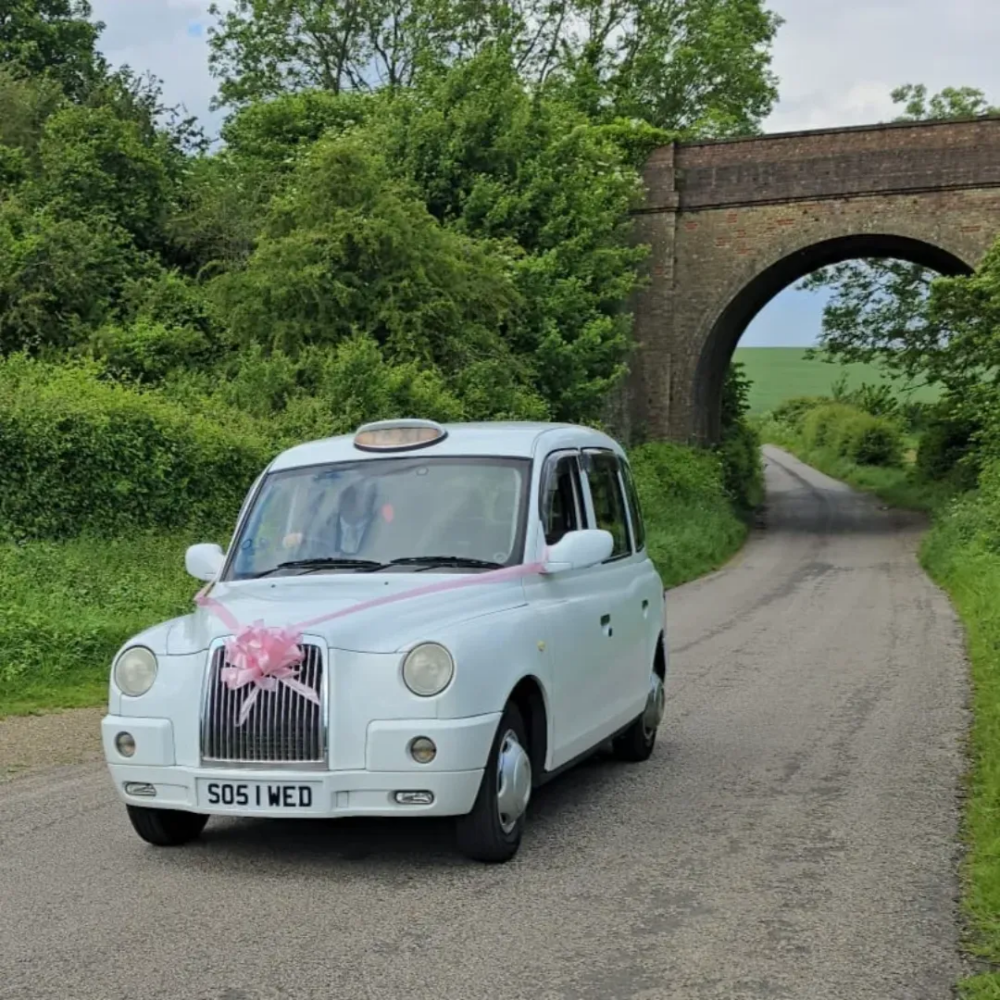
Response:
column 837, row 60
column 167, row 38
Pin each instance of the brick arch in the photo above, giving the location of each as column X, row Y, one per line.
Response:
column 757, row 284
column 730, row 224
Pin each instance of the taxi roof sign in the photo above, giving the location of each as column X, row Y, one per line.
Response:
column 398, row 435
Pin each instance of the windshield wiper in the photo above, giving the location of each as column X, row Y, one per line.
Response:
column 458, row 561
column 306, row 564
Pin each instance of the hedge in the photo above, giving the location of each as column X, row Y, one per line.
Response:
column 853, row 434
column 82, row 455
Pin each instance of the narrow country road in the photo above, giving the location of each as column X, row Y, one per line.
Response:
column 794, row 836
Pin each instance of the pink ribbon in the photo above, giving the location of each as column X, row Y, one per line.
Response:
column 266, row 656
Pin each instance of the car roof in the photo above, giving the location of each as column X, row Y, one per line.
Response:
column 506, row 439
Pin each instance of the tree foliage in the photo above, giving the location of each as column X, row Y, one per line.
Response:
column 434, row 196
column 878, row 310
column 952, row 102
column 54, row 39
column 700, row 65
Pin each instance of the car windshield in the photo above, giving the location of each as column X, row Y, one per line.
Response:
column 457, row 513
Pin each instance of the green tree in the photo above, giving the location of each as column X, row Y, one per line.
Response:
column 349, row 249
column 496, row 161
column 952, row 102
column 878, row 308
column 59, row 278
column 53, row 38
column 94, row 164
column 263, row 48
column 702, row 66
column 25, row 105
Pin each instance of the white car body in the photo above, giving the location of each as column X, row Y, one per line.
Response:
column 580, row 649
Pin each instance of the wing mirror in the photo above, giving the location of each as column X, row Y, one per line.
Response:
column 204, row 562
column 579, row 550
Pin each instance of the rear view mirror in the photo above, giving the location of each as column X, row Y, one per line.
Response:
column 204, row 562
column 579, row 550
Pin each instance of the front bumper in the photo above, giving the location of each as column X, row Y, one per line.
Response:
column 453, row 778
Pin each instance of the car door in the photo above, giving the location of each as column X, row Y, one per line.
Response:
column 569, row 611
column 624, row 602
column 652, row 603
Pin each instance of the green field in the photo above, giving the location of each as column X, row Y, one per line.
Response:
column 781, row 372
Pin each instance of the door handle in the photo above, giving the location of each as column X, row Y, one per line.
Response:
column 645, row 609
column 606, row 624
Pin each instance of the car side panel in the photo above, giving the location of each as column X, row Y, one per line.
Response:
column 569, row 607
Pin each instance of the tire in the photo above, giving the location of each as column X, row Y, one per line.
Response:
column 482, row 834
column 637, row 742
column 166, row 827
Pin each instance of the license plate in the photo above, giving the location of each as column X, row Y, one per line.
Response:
column 257, row 796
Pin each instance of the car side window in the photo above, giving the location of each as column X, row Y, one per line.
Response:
column 609, row 501
column 634, row 508
column 562, row 508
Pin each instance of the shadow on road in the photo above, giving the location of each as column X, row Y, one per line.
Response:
column 331, row 845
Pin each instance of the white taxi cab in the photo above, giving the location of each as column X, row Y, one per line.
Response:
column 414, row 620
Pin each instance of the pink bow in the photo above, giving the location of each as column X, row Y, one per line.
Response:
column 266, row 658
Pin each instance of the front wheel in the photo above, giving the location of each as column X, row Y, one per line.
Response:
column 637, row 742
column 492, row 831
column 166, row 827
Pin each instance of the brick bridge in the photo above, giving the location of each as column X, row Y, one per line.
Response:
column 732, row 223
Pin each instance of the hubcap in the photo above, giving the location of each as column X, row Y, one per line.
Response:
column 513, row 781
column 655, row 707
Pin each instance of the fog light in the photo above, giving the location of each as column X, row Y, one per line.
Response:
column 125, row 744
column 140, row 789
column 415, row 798
column 423, row 750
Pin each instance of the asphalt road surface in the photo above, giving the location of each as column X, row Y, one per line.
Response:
column 794, row 836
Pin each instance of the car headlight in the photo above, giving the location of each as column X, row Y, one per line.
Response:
column 428, row 669
column 135, row 671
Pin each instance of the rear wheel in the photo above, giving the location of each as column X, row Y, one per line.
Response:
column 166, row 827
column 492, row 831
column 637, row 742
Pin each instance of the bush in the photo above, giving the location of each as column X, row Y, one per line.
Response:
column 147, row 351
column 83, row 455
column 868, row 440
column 853, row 434
column 822, row 426
column 947, row 448
column 793, row 411
column 691, row 524
column 878, row 400
column 743, row 472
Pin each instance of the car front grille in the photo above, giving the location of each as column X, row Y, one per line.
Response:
column 282, row 727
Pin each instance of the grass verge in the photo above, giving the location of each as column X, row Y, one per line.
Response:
column 692, row 526
column 971, row 576
column 66, row 607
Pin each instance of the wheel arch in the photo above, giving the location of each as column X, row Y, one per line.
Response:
column 532, row 702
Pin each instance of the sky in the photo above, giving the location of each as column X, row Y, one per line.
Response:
column 836, row 60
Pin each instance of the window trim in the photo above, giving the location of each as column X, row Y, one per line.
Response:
column 628, row 477
column 549, row 464
column 630, row 549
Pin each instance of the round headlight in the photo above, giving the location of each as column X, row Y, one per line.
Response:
column 135, row 671
column 428, row 669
